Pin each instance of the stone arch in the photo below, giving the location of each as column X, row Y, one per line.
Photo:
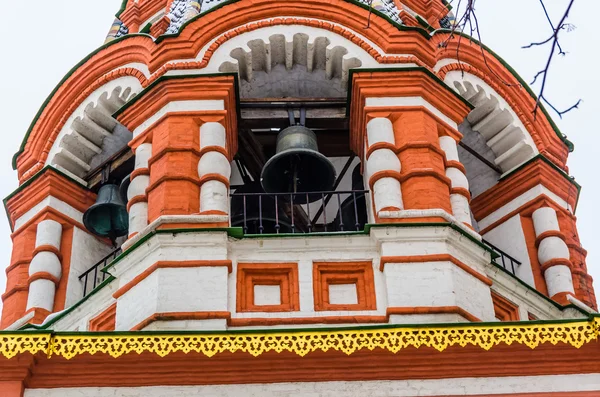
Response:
column 91, row 132
column 315, row 56
column 496, row 121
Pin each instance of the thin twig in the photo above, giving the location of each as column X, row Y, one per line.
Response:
column 554, row 38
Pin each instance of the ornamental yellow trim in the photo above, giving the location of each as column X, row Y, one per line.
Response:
column 301, row 343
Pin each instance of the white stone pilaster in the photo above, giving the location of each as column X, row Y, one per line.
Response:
column 552, row 248
column 138, row 212
column 213, row 169
column 45, row 269
column 386, row 190
column 459, row 202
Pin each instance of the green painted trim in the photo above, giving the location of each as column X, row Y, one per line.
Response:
column 62, row 81
column 406, row 69
column 560, row 135
column 452, row 226
column 122, row 9
column 33, row 179
column 146, row 29
column 235, row 232
column 69, row 310
column 555, row 167
column 538, row 293
column 424, row 23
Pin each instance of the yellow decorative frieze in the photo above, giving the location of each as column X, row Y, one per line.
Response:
column 348, row 341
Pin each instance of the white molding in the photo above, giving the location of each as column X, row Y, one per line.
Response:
column 179, row 106
column 409, row 101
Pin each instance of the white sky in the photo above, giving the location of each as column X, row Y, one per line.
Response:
column 42, row 41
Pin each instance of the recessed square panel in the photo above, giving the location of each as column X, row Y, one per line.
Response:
column 343, row 294
column 265, row 295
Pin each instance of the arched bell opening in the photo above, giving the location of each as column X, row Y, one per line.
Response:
column 293, row 90
column 329, row 194
column 302, row 65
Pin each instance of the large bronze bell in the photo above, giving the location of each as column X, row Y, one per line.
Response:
column 258, row 215
column 297, row 166
column 108, row 216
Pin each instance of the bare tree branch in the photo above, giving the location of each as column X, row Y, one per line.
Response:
column 555, row 48
column 468, row 22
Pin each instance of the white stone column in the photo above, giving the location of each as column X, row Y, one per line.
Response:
column 553, row 253
column 214, row 169
column 136, row 193
column 459, row 196
column 381, row 163
column 45, row 269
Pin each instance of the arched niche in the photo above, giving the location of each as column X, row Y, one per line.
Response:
column 291, row 61
column 91, row 135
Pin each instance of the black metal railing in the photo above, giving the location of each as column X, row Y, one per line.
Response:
column 276, row 213
column 92, row 277
column 507, row 261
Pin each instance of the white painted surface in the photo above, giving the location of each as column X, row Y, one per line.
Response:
column 387, row 193
column 41, row 294
column 448, row 145
column 48, row 232
column 179, row 106
column 387, row 102
column 380, row 129
column 173, row 290
column 457, row 178
column 138, row 186
column 142, row 155
column 45, row 262
column 138, row 217
column 212, row 134
column 267, row 295
column 519, row 201
column 402, row 388
column 214, row 163
column 382, row 160
column 558, row 279
column 51, row 202
column 86, row 251
column 544, row 219
column 343, row 294
column 510, row 238
column 214, row 196
column 552, row 248
column 123, row 83
column 436, row 284
column 461, row 208
column 493, row 117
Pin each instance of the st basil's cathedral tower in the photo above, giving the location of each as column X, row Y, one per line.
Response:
column 295, row 198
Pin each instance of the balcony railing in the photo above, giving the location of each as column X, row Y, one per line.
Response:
column 277, row 213
column 94, row 276
column 506, row 261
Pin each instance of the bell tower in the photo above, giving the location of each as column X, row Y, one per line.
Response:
column 311, row 198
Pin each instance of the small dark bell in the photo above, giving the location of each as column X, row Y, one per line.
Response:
column 297, row 166
column 108, row 216
column 259, row 214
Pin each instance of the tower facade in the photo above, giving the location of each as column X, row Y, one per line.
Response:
column 294, row 198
